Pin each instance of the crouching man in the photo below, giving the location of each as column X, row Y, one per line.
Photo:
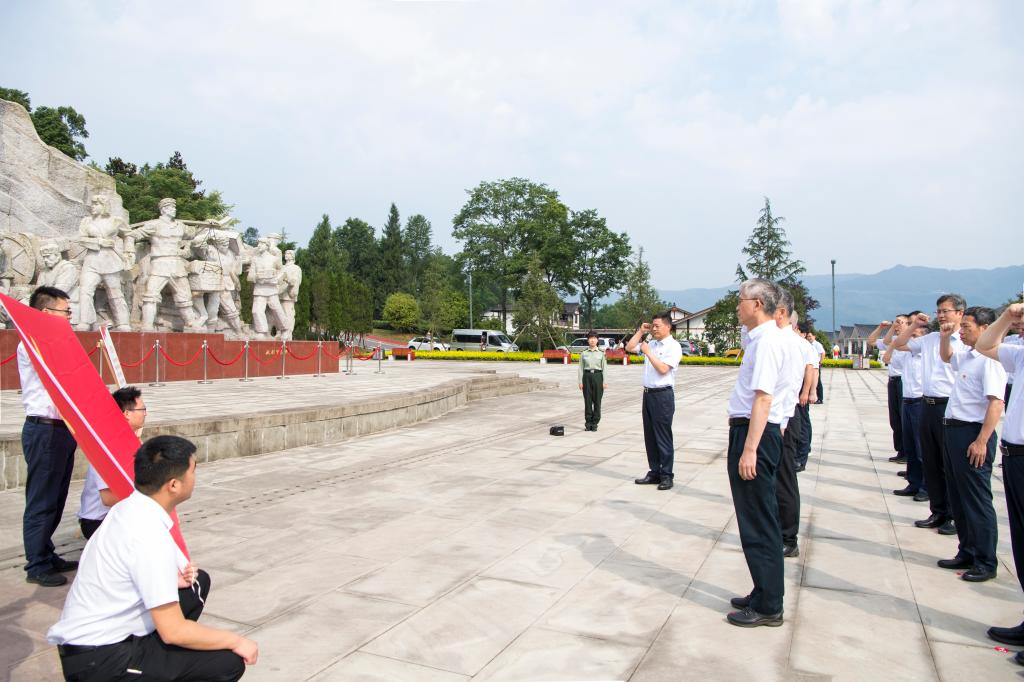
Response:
column 131, row 614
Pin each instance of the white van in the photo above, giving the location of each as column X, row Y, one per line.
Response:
column 482, row 339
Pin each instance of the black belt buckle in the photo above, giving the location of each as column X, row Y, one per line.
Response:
column 738, row 421
column 936, row 401
column 1011, row 449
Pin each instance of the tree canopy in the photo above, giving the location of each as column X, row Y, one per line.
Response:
column 142, row 188
column 61, row 127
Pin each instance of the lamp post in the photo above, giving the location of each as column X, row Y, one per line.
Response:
column 471, row 299
column 833, row 301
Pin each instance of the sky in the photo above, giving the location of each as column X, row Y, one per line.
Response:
column 884, row 132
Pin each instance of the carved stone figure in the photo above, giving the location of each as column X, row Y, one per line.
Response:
column 103, row 263
column 265, row 274
column 168, row 248
column 213, row 281
column 288, row 291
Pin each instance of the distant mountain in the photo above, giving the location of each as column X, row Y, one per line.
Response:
column 871, row 298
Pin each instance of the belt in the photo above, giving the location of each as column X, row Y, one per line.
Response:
column 1011, row 449
column 739, row 421
column 46, row 420
column 659, row 388
column 912, row 401
column 936, row 401
column 896, row 378
column 592, row 371
column 75, row 649
column 958, row 423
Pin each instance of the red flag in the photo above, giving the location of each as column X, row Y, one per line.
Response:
column 81, row 397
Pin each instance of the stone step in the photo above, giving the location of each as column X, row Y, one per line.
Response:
column 522, row 385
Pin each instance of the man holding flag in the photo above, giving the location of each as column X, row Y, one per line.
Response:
column 49, row 449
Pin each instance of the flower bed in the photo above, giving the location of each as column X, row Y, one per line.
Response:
column 525, row 356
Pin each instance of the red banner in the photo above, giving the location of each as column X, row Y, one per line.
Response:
column 82, row 399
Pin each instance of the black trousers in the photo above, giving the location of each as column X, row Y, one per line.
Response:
column 1013, row 484
column 803, row 450
column 593, row 391
column 1006, row 395
column 895, row 390
column 757, row 515
column 787, row 488
column 658, row 409
column 912, row 411
column 89, row 526
column 970, row 496
column 50, row 455
column 821, row 389
column 933, row 455
column 150, row 659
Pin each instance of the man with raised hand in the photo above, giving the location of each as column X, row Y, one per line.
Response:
column 972, row 413
column 894, row 388
column 1011, row 356
column 911, row 388
column 938, row 384
column 755, row 447
column 127, row 615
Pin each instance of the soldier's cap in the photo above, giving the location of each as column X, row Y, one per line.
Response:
column 167, row 202
column 49, row 247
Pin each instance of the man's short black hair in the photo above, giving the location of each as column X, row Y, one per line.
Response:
column 44, row 297
column 665, row 317
column 126, row 397
column 160, row 459
column 591, row 334
column 804, row 327
column 982, row 316
column 955, row 300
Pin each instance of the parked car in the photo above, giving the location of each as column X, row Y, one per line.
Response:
column 426, row 343
column 689, row 347
column 482, row 339
column 582, row 344
column 731, row 353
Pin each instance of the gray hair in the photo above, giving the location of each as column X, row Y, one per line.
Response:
column 785, row 298
column 762, row 290
column 956, row 300
column 794, row 318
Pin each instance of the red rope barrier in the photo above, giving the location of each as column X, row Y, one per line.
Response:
column 339, row 356
column 89, row 354
column 5, row 361
column 221, row 362
column 274, row 356
column 144, row 358
column 299, row 357
column 181, row 364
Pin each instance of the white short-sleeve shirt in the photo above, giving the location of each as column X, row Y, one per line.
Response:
column 818, row 348
column 796, row 360
column 913, row 371
column 977, row 378
column 761, row 370
column 937, row 376
column 896, row 362
column 91, row 506
column 1012, row 359
column 127, row 568
column 33, row 394
column 668, row 351
column 1015, row 340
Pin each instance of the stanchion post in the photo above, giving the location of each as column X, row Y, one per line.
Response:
column 380, row 359
column 284, row 353
column 156, row 359
column 246, row 354
column 99, row 349
column 319, row 350
column 206, row 351
column 350, row 362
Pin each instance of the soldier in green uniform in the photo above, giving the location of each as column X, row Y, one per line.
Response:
column 591, row 380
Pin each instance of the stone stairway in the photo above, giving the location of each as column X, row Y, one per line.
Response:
column 495, row 385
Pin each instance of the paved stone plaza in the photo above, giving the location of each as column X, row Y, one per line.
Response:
column 476, row 546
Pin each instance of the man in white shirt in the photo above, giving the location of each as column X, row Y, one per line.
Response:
column 49, row 451
column 800, row 381
column 895, row 386
column 820, row 350
column 125, row 617
column 911, row 383
column 1014, row 340
column 938, row 383
column 972, row 413
column 97, row 498
column 661, row 358
column 803, row 448
column 755, row 448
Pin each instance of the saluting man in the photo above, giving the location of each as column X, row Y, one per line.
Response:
column 591, row 381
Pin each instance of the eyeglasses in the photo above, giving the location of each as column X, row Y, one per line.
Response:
column 947, row 311
column 65, row 312
column 137, row 409
column 749, row 299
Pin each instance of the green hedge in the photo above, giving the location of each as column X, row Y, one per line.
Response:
column 524, row 356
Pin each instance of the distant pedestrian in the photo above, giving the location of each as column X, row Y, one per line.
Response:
column 591, row 380
column 661, row 358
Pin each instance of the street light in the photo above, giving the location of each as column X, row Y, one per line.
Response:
column 833, row 301
column 471, row 300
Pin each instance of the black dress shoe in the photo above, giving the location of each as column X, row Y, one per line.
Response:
column 921, row 496
column 800, row 467
column 955, row 563
column 47, row 579
column 666, row 484
column 62, row 565
column 933, row 521
column 648, row 480
column 901, row 474
column 586, row 427
column 1013, row 636
column 593, row 427
column 948, row 528
column 905, row 492
column 978, row 575
column 790, row 551
column 740, row 602
column 1019, row 658
column 898, row 459
column 749, row 618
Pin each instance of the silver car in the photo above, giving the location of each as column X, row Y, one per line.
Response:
column 426, row 343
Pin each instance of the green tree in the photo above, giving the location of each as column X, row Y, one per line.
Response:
column 502, row 225
column 640, row 300
column 251, row 236
column 141, row 190
column 418, row 248
column 61, row 127
column 356, row 304
column 721, row 326
column 392, row 275
column 600, row 259
column 443, row 307
column 401, row 312
column 356, row 238
column 538, row 305
column 19, row 96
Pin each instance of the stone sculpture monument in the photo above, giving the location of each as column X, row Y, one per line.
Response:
column 103, row 263
column 265, row 273
column 288, row 292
